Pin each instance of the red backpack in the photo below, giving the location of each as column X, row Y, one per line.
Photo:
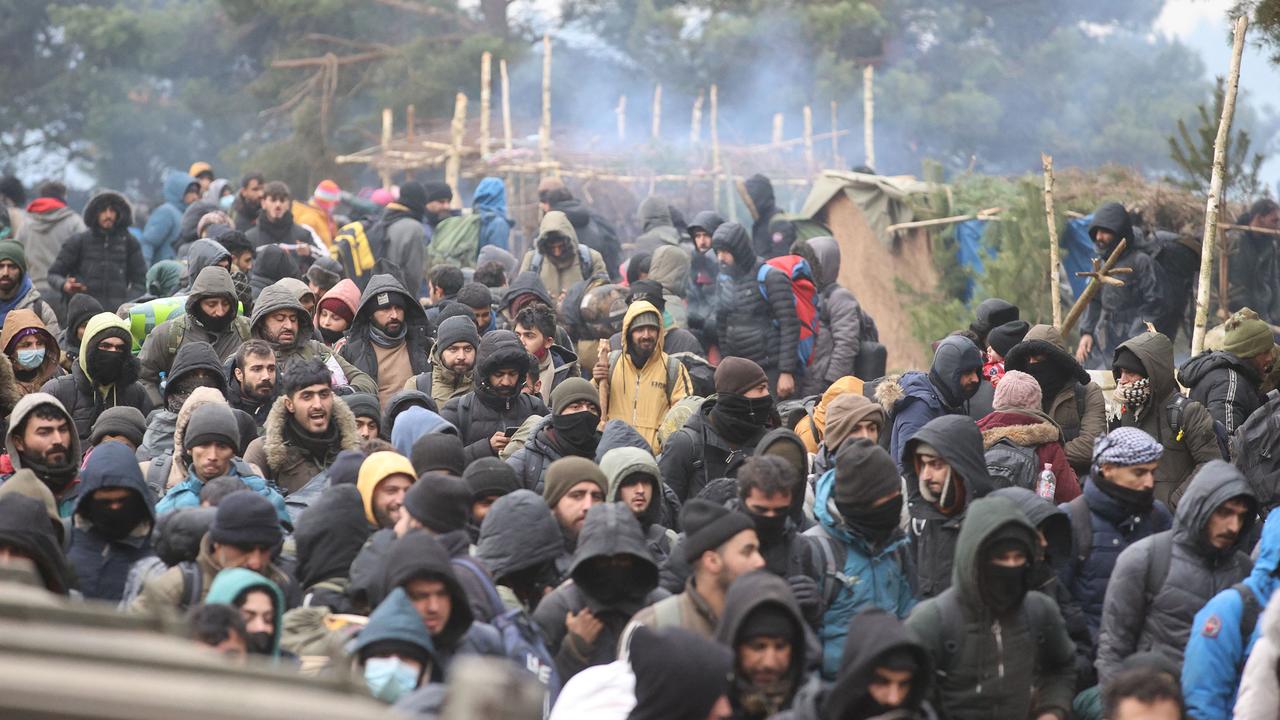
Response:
column 803, row 288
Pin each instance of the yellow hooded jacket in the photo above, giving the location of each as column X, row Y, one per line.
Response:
column 806, row 431
column 378, row 467
column 640, row 397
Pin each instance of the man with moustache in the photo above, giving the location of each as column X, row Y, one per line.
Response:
column 452, row 360
column 390, row 337
column 42, row 438
column 644, row 382
column 251, row 385
column 280, row 320
column 17, row 291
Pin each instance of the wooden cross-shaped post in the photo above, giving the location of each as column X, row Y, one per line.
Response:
column 1102, row 274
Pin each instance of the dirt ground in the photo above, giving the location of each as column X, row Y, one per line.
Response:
column 868, row 268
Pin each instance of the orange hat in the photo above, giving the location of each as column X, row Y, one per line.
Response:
column 199, row 167
column 327, row 194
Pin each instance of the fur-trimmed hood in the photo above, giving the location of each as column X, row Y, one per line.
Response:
column 1022, row 429
column 889, row 392
column 273, row 439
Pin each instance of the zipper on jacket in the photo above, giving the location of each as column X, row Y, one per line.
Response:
column 995, row 629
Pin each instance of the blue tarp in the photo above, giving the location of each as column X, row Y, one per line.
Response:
column 1079, row 252
column 971, row 252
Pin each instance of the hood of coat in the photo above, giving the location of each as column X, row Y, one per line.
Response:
column 401, row 401
column 635, row 310
column 1195, row 369
column 109, row 199
column 22, row 409
column 1045, row 341
column 205, row 253
column 827, row 253
column 1114, row 218
column 707, row 220
column 873, row 635
column 113, row 465
column 499, row 349
column 1217, row 482
column 755, row 590
column 415, row 422
column 1155, row 352
column 99, row 327
column 573, row 209
column 175, row 187
column 178, row 533
column 526, row 283
column 24, row 525
column 654, row 212
column 26, row 319
column 760, row 191
column 1023, row 428
column 985, row 519
column 618, row 434
column 420, row 556
column 490, row 196
column 959, row 441
column 231, row 583
column 330, row 534
column 379, row 285
column 519, row 532
column 46, row 220
column 1049, row 519
column 272, row 299
column 669, row 267
column 842, row 386
column 611, row 530
column 214, row 193
column 274, row 442
column 80, row 308
column 395, row 619
column 213, row 281
column 557, row 223
column 193, row 356
column 955, row 356
column 345, row 292
column 623, row 463
column 273, row 264
column 493, row 253
column 733, row 237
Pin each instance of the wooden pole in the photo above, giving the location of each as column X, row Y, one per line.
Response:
column 1224, row 274
column 409, row 122
column 657, row 112
column 1054, row 276
column 1215, row 187
column 602, row 386
column 544, row 132
column 453, row 166
column 387, row 127
column 777, row 129
column 1091, row 289
column 869, row 115
column 620, row 113
column 715, row 147
column 486, row 83
column 835, row 135
column 506, row 105
column 809, row 163
column 695, row 124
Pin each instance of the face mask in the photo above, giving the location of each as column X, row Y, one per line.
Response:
column 1050, row 379
column 877, row 523
column 215, row 324
column 330, row 336
column 576, row 432
column 613, row 585
column 30, row 358
column 1133, row 395
column 1003, row 587
column 226, row 201
column 1132, row 500
column 738, row 418
column 116, row 523
column 770, row 528
column 106, row 365
column 389, row 678
column 260, row 643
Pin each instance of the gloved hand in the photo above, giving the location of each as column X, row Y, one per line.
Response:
column 808, row 597
column 344, row 390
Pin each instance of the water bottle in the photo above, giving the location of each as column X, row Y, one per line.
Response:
column 1046, row 485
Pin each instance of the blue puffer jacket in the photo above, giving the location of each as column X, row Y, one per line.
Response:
column 875, row 578
column 1216, row 651
column 1114, row 529
column 102, row 564
column 166, row 221
column 187, row 493
column 490, row 202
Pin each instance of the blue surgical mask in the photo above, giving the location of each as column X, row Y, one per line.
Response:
column 30, row 358
column 225, row 202
column 389, row 678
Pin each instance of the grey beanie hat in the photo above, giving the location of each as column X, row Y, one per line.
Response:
column 209, row 423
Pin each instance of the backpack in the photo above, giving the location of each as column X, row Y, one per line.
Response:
column 800, row 275
column 456, row 241
column 677, row 415
column 494, row 601
column 1177, row 405
column 702, row 374
column 1256, row 450
column 1248, row 617
column 673, row 372
column 584, row 261
column 192, row 585
column 1013, row 465
column 1081, row 527
column 522, row 643
column 362, row 249
column 834, row 554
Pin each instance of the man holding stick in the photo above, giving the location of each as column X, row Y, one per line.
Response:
column 640, row 382
column 1118, row 312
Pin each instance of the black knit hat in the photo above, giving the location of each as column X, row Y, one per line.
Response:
column 736, row 375
column 475, row 295
column 456, row 329
column 1003, row 338
column 442, row 503
column 245, row 519
column 413, row 196
column 770, row 619
column 707, row 526
column 1126, row 359
column 864, row 473
column 490, row 476
column 119, row 420
column 211, row 422
column 436, row 191
column 364, row 405
column 438, row 452
column 345, row 469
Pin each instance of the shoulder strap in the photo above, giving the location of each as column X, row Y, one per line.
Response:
column 1174, row 410
column 1158, row 565
column 1248, row 615
column 952, row 632
column 192, row 584
column 491, row 592
column 673, row 377
column 1081, row 527
column 833, row 578
column 535, row 264
column 761, row 274
column 614, row 357
column 584, row 260
column 666, row 613
column 1082, row 392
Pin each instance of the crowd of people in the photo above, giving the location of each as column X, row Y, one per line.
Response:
column 358, row 435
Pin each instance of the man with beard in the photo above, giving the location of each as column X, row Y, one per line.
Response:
column 569, row 431
column 496, row 404
column 210, row 317
column 384, row 479
column 720, row 546
column 248, row 203
column 195, row 365
column 105, row 260
column 724, row 431
column 1229, row 381
column 480, row 299
column 1119, row 313
column 112, row 522
column 557, row 257
column 104, row 376
column 1000, row 648
column 251, row 386
column 1068, row 395
column 644, row 382
column 915, row 398
column 260, row 602
column 42, row 438
column 573, row 485
column 305, row 430
column 858, row 505
column 634, row 481
column 275, row 223
column 16, row 290
column 390, row 337
column 453, row 358
column 280, row 319
column 764, row 627
column 613, row 577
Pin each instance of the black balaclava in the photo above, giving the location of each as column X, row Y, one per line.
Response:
column 107, row 367
column 116, row 523
column 1003, row 588
column 576, row 433
column 738, row 418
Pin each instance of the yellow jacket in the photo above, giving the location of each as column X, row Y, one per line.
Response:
column 846, row 384
column 640, row 397
column 316, row 219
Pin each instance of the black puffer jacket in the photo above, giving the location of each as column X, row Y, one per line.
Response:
column 696, row 455
column 85, row 399
column 750, row 326
column 108, row 262
column 482, row 412
column 359, row 348
column 772, row 234
column 703, row 271
column 1229, row 387
column 1128, row 308
column 284, row 230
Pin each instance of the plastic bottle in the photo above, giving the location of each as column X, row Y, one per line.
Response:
column 1046, row 485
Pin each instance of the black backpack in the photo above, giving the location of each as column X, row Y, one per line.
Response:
column 1175, row 409
column 1012, row 465
column 1256, row 453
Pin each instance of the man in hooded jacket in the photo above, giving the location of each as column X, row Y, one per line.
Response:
column 1117, row 314
column 390, row 338
column 104, row 376
column 765, row 629
column 496, row 403
column 946, row 472
column 25, row 531
column 656, row 228
column 195, row 365
column 613, row 577
column 636, row 481
column 210, row 317
column 570, row 430
column 282, row 322
column 557, row 257
column 49, row 224
column 42, row 438
column 1229, row 381
column 704, row 269
column 771, row 234
column 1150, row 400
column 112, row 523
column 916, row 398
column 840, row 320
column 165, row 222
column 1000, row 647
column 328, row 537
column 105, row 260
column 453, row 358
column 756, row 319
column 521, row 544
column 591, row 228
column 406, row 237
column 644, row 382
column 1204, row 554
